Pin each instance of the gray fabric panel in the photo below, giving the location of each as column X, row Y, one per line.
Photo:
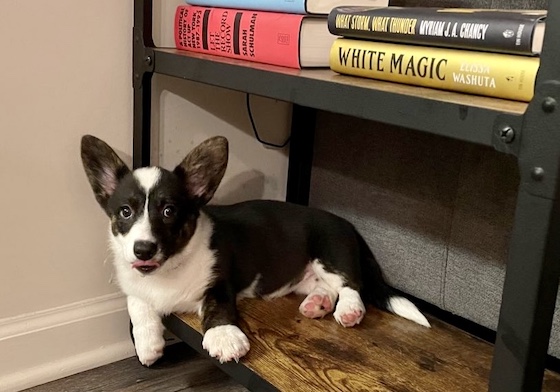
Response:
column 397, row 187
column 431, row 208
column 480, row 234
column 554, row 344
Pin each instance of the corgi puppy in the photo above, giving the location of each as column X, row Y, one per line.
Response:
column 174, row 253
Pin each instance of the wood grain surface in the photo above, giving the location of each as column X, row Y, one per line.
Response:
column 384, row 353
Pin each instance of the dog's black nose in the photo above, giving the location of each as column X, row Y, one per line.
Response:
column 145, row 250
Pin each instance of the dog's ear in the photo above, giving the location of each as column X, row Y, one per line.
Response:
column 103, row 167
column 203, row 169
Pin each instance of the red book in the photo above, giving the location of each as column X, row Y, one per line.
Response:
column 288, row 40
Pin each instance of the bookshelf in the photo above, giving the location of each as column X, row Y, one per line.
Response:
column 529, row 131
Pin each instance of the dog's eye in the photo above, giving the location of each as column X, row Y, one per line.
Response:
column 169, row 211
column 125, row 212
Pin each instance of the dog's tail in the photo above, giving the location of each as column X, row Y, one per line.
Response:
column 377, row 292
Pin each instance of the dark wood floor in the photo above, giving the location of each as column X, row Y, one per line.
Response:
column 181, row 369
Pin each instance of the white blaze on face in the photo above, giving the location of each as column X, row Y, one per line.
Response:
column 141, row 230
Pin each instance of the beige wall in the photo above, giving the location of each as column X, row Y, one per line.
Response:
column 65, row 71
column 187, row 112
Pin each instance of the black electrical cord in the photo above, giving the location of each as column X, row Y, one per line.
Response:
column 255, row 128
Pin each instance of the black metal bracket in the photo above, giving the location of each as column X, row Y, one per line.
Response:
column 142, row 57
column 539, row 158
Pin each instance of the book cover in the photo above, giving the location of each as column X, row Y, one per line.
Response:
column 316, row 7
column 491, row 74
column 288, row 6
column 505, row 31
column 264, row 37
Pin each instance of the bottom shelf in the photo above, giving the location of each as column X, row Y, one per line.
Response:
column 384, row 353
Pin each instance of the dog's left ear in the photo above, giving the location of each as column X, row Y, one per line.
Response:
column 203, row 169
column 104, row 168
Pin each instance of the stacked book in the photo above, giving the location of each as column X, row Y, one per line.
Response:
column 485, row 52
column 290, row 33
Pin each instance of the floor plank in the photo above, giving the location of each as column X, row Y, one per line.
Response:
column 384, row 353
column 181, row 369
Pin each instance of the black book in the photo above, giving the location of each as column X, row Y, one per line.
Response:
column 504, row 31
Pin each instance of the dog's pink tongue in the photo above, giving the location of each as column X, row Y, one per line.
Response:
column 143, row 263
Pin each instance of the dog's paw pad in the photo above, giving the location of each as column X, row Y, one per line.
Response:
column 226, row 343
column 316, row 305
column 350, row 309
column 350, row 319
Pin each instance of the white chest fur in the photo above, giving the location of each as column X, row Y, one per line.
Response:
column 179, row 285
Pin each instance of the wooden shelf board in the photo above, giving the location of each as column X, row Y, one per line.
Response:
column 384, row 353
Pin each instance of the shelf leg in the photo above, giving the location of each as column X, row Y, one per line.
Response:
column 533, row 268
column 142, row 71
column 529, row 297
column 301, row 154
column 141, row 136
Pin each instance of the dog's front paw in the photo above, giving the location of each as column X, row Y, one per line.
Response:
column 149, row 348
column 226, row 342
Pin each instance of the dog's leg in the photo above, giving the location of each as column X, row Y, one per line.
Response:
column 350, row 309
column 147, row 330
column 223, row 339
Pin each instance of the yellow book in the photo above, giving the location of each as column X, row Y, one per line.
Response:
column 492, row 74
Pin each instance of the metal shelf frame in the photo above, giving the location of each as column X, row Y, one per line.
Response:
column 530, row 132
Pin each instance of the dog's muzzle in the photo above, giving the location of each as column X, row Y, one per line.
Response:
column 145, row 252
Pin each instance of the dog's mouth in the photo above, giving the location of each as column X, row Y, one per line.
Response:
column 145, row 266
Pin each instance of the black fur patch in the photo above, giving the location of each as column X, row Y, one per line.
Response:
column 127, row 194
column 277, row 240
column 171, row 232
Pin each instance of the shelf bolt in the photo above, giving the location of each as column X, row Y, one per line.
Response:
column 549, row 104
column 148, row 60
column 507, row 134
column 537, row 173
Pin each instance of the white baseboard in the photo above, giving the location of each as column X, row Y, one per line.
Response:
column 47, row 345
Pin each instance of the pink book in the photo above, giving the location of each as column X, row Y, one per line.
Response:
column 288, row 40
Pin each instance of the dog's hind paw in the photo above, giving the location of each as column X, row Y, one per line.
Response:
column 317, row 304
column 350, row 309
column 226, row 342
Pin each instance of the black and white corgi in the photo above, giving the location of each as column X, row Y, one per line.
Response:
column 174, row 253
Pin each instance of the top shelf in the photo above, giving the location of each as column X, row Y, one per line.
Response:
column 460, row 116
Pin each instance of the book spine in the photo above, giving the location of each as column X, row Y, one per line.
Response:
column 490, row 30
column 491, row 74
column 264, row 37
column 287, row 6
